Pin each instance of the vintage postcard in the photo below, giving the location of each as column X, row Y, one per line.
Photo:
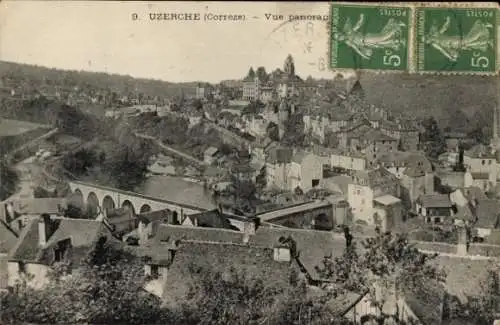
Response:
column 260, row 163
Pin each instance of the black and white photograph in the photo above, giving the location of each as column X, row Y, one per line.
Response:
column 223, row 163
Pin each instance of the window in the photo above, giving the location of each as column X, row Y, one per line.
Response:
column 437, row 220
column 489, row 162
column 358, row 192
column 362, row 201
column 483, row 162
column 155, row 271
column 22, row 267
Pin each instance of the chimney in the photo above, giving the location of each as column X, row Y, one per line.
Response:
column 195, row 222
column 43, row 229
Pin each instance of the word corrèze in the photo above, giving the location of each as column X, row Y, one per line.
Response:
column 194, row 16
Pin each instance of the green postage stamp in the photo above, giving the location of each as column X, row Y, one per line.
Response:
column 456, row 40
column 369, row 37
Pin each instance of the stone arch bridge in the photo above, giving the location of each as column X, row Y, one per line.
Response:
column 99, row 198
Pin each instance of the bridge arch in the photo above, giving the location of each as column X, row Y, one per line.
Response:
column 129, row 206
column 108, row 203
column 77, row 198
column 145, row 208
column 92, row 205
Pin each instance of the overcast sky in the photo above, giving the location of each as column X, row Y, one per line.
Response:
column 101, row 36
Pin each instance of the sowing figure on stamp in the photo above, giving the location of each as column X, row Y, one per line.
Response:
column 477, row 39
column 390, row 37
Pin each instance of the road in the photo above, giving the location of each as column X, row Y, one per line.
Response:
column 171, row 150
column 30, row 174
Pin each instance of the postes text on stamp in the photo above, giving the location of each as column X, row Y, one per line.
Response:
column 369, row 37
column 456, row 40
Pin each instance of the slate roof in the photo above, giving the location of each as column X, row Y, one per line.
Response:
column 487, row 213
column 280, row 155
column 253, row 261
column 39, row 206
column 211, row 219
column 435, row 201
column 312, row 245
column 375, row 177
column 81, row 232
column 168, row 233
column 407, row 159
column 8, row 238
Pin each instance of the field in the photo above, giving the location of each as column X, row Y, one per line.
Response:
column 16, row 127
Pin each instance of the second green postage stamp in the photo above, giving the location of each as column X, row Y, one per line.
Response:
column 369, row 37
column 456, row 40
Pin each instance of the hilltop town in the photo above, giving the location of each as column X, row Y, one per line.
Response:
column 272, row 199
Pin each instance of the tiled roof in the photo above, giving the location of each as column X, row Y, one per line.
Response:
column 82, row 233
column 253, row 261
column 487, row 213
column 435, row 201
column 312, row 245
column 8, row 238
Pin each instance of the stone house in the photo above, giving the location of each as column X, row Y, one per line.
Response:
column 347, row 160
column 19, row 212
column 365, row 187
column 487, row 214
column 305, row 172
column 435, row 208
column 278, row 166
column 274, row 251
column 47, row 240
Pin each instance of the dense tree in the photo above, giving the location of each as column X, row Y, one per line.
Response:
column 262, row 74
column 8, row 180
column 433, row 138
column 386, row 259
column 240, row 297
column 251, row 74
column 294, row 135
column 107, row 289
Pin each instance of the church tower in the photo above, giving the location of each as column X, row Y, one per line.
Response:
column 289, row 67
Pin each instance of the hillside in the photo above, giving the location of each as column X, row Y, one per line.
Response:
column 37, row 76
column 452, row 100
